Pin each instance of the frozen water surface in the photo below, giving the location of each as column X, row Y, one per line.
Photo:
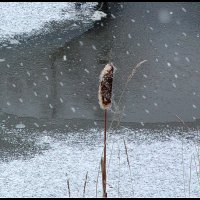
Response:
column 51, row 56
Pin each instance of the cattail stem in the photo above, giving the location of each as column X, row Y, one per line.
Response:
column 103, row 159
column 104, row 162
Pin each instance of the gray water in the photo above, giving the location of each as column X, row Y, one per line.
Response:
column 51, row 123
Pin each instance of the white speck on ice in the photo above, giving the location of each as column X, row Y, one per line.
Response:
column 175, row 75
column 129, row 36
column 20, row 126
column 8, row 65
column 46, row 95
column 35, row 93
column 174, row 85
column 166, row 45
column 21, row 100
column 61, row 83
column 61, row 100
column 94, row 47
column 183, row 9
column 98, row 15
column 113, row 16
column 169, row 64
column 50, row 106
column 81, row 43
column 2, row 59
column 86, row 70
column 133, row 20
column 8, row 103
column 144, row 97
column 194, row 106
column 151, row 28
column 34, row 84
column 145, row 76
column 47, row 78
column 187, row 59
column 73, row 109
column 127, row 52
column 147, row 111
column 64, row 57
column 184, row 34
column 28, row 73
column 36, row 125
column 155, row 104
column 14, row 85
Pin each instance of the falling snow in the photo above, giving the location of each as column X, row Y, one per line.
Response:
column 73, row 109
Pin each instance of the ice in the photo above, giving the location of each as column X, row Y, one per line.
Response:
column 28, row 17
column 164, row 16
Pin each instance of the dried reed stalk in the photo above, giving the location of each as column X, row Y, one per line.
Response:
column 85, row 184
column 104, row 96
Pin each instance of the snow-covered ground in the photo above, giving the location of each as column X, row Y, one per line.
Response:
column 160, row 165
column 17, row 18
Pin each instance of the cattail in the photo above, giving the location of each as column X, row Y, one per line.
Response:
column 105, row 87
column 105, row 99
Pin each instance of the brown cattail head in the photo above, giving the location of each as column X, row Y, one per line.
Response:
column 105, row 86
